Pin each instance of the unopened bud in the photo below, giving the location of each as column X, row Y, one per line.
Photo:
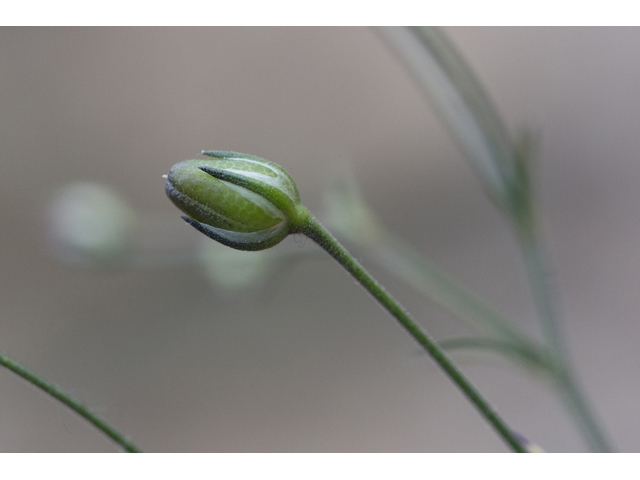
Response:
column 242, row 201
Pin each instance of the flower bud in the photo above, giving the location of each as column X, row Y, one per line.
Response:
column 242, row 201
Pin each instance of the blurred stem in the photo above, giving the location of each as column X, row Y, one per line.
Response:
column 460, row 100
column 354, row 221
column 542, row 291
column 445, row 291
column 69, row 402
column 529, row 357
column 565, row 382
column 476, row 125
column 575, row 401
column 309, row 226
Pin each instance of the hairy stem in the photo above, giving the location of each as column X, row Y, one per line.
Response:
column 309, row 226
column 443, row 290
column 74, row 405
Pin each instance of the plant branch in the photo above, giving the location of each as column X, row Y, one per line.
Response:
column 74, row 405
column 309, row 226
column 503, row 166
column 545, row 301
column 532, row 358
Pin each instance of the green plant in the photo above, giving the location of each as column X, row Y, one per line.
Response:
column 504, row 166
column 262, row 211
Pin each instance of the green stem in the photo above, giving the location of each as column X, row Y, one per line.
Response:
column 442, row 289
column 478, row 128
column 309, row 226
column 355, row 222
column 69, row 402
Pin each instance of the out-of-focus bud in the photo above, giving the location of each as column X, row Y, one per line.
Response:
column 242, row 201
column 90, row 223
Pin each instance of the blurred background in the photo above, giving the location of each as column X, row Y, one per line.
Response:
column 301, row 359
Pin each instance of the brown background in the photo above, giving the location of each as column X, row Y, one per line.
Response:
column 308, row 363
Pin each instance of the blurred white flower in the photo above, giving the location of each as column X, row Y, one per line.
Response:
column 89, row 222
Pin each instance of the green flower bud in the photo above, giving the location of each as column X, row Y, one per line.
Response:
column 242, row 201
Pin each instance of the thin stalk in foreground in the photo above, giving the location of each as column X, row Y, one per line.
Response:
column 69, row 402
column 476, row 124
column 249, row 203
column 309, row 226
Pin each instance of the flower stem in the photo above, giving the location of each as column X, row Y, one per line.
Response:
column 308, row 225
column 74, row 405
column 504, row 168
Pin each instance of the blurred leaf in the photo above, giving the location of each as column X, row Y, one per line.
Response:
column 463, row 104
